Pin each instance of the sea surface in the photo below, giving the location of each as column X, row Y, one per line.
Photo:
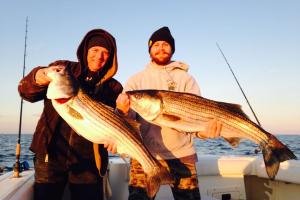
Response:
column 204, row 147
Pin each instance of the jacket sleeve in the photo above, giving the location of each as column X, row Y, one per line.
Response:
column 116, row 88
column 29, row 89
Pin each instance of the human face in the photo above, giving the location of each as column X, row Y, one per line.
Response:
column 97, row 57
column 161, row 52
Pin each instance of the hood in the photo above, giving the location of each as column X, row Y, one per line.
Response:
column 110, row 69
column 171, row 66
column 177, row 65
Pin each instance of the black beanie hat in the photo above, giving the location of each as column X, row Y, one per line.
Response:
column 97, row 40
column 162, row 34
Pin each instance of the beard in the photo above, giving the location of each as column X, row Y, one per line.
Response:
column 161, row 60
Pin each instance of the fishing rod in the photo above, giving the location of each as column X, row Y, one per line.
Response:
column 18, row 147
column 239, row 85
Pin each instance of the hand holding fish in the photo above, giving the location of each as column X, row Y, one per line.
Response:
column 123, row 103
column 213, row 130
column 41, row 77
column 111, row 147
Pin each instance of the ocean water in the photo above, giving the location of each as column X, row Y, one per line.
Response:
column 203, row 147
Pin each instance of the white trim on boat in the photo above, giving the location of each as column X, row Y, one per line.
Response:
column 12, row 188
column 239, row 177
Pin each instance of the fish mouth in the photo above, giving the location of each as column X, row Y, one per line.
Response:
column 129, row 93
column 62, row 100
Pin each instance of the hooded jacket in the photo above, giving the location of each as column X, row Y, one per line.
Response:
column 51, row 126
column 163, row 142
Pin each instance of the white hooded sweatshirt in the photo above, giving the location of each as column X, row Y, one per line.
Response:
column 163, row 142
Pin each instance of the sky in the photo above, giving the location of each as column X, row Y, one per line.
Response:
column 259, row 38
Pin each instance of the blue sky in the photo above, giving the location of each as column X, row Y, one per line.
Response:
column 260, row 39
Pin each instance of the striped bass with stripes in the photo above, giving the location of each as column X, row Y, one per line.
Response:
column 190, row 113
column 98, row 123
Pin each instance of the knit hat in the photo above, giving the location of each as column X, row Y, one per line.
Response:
column 97, row 40
column 162, row 34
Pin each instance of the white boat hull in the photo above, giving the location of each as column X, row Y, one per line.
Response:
column 17, row 188
column 239, row 177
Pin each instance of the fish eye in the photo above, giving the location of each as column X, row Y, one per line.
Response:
column 138, row 96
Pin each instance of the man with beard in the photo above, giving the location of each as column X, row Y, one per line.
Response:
column 172, row 148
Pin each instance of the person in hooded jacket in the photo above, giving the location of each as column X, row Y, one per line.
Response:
column 61, row 155
column 172, row 148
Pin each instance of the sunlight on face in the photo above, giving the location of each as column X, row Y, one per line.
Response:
column 161, row 52
column 97, row 57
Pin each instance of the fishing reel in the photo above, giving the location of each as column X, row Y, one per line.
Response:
column 21, row 166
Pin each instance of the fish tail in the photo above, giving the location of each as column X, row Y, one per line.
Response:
column 275, row 152
column 158, row 176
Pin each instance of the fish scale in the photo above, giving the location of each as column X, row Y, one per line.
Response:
column 114, row 122
column 113, row 126
column 192, row 114
column 99, row 124
column 191, row 109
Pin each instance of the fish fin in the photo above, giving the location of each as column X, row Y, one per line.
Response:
column 236, row 108
column 74, row 113
column 233, row 141
column 171, row 117
column 135, row 125
column 275, row 152
column 158, row 176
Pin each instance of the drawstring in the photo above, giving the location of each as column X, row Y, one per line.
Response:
column 171, row 83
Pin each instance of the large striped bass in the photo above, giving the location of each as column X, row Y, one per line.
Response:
column 98, row 123
column 190, row 113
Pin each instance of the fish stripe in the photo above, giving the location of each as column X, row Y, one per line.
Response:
column 189, row 107
column 113, row 125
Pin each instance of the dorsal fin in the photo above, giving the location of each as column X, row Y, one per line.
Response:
column 236, row 108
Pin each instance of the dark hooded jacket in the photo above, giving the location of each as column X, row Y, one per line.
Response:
column 53, row 135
